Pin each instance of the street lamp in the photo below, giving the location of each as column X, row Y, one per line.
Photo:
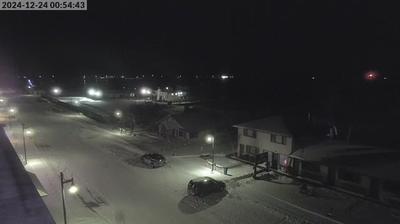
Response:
column 95, row 92
column 72, row 190
column 12, row 110
column 118, row 114
column 56, row 91
column 145, row 91
column 27, row 132
column 211, row 140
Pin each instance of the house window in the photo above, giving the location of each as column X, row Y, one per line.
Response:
column 180, row 132
column 279, row 139
column 349, row 176
column 252, row 149
column 241, row 148
column 249, row 133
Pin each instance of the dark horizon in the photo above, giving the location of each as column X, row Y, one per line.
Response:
column 255, row 40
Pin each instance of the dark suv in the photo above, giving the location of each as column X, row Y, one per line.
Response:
column 205, row 185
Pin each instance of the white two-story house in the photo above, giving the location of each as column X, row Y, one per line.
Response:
column 270, row 135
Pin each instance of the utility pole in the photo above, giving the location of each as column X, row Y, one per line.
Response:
column 64, row 181
column 213, row 154
column 23, row 139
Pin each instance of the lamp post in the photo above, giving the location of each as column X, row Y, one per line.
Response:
column 118, row 115
column 72, row 190
column 211, row 140
column 11, row 112
column 27, row 132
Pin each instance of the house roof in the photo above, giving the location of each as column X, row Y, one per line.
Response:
column 273, row 124
column 368, row 160
column 331, row 150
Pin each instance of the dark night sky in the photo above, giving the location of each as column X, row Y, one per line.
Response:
column 249, row 38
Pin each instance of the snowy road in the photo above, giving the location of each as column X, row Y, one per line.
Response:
column 114, row 186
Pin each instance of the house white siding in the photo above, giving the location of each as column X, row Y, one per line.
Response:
column 263, row 142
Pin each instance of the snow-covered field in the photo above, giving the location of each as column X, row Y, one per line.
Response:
column 116, row 188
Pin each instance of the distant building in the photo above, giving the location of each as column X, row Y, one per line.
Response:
column 169, row 96
column 276, row 137
column 188, row 125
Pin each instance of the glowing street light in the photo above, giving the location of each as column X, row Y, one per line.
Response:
column 56, row 91
column 118, row 114
column 29, row 132
column 95, row 92
column 98, row 94
column 91, row 92
column 72, row 190
column 12, row 110
column 211, row 140
column 145, row 91
column 26, row 132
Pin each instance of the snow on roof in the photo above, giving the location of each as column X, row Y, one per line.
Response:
column 368, row 160
column 273, row 124
column 20, row 202
column 329, row 150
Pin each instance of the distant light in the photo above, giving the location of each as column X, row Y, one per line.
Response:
column 91, row 92
column 145, row 91
column 73, row 189
column 29, row 132
column 95, row 92
column 56, row 91
column 313, row 77
column 371, row 76
column 98, row 93
column 166, row 88
column 118, row 114
column 12, row 110
column 2, row 100
column 76, row 102
column 224, row 77
column 209, row 139
column 205, row 180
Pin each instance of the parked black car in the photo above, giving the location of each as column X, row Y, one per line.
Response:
column 153, row 160
column 205, row 185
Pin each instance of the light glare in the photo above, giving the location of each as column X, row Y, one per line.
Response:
column 73, row 189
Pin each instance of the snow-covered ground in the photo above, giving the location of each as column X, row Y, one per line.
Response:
column 114, row 185
column 116, row 188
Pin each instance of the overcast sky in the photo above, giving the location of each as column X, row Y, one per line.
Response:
column 264, row 38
